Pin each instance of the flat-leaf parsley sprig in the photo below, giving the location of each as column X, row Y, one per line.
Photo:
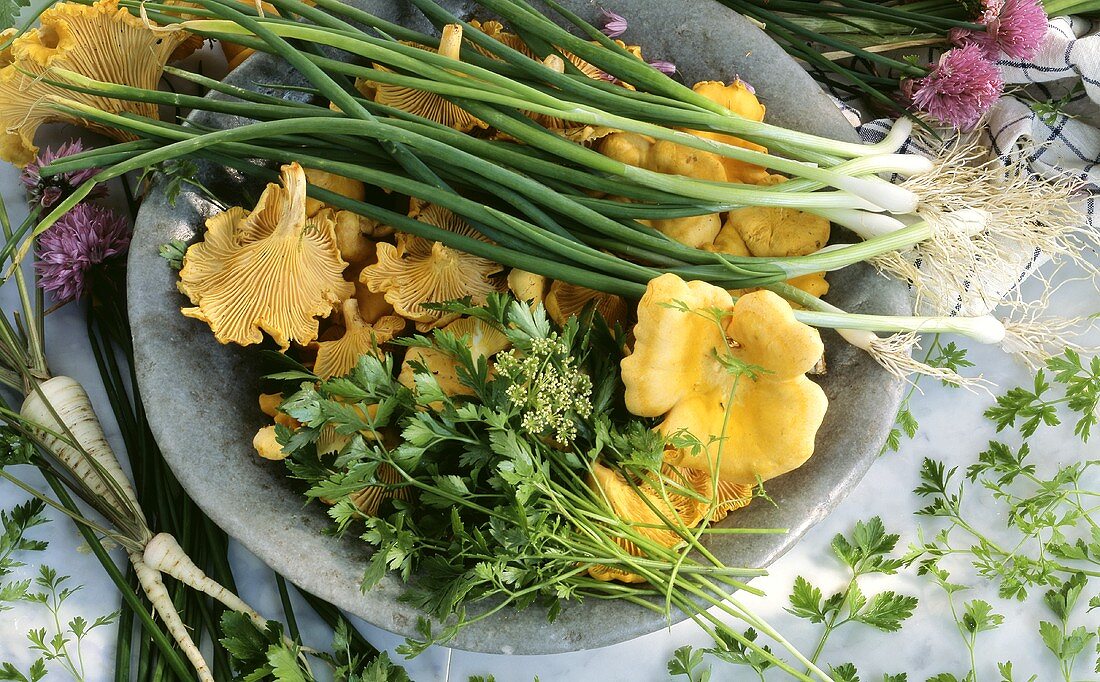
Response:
column 866, row 552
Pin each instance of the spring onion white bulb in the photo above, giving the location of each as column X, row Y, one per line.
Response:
column 864, row 223
column 889, row 197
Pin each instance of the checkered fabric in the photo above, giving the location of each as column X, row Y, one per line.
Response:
column 1048, row 117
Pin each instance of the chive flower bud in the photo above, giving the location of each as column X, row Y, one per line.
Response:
column 1014, row 27
column 51, row 190
column 959, row 89
column 667, row 68
column 613, row 25
column 80, row 240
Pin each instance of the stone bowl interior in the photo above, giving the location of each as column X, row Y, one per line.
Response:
column 201, row 396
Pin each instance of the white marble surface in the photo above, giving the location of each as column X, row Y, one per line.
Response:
column 952, row 429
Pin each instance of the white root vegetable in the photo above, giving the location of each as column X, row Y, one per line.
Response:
column 66, row 400
column 164, row 554
column 64, row 412
column 157, row 593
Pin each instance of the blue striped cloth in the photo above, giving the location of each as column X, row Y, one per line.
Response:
column 1048, row 118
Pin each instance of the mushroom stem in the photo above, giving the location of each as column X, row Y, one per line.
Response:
column 293, row 210
column 353, row 321
column 450, row 45
column 554, row 63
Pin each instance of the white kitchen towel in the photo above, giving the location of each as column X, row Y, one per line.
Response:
column 1049, row 118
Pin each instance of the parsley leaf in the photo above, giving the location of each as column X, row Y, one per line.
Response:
column 9, row 13
column 173, row 252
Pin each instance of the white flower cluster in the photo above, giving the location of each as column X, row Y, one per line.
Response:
column 549, row 387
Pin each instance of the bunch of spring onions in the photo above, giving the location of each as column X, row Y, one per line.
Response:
column 534, row 200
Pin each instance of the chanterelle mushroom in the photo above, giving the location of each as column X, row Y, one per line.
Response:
column 337, row 358
column 369, row 499
column 566, row 300
column 271, row 270
column 417, row 271
column 663, row 156
column 101, row 41
column 351, row 241
column 758, row 423
column 348, row 187
column 483, row 340
column 683, row 504
column 775, row 232
column 421, row 102
column 527, row 286
column 496, row 30
column 739, row 98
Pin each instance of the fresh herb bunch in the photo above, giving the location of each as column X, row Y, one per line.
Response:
column 490, row 503
column 457, row 449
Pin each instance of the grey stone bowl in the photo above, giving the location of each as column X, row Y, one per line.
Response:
column 201, row 396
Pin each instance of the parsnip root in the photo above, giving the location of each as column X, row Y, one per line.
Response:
column 71, row 404
column 164, row 554
column 158, row 596
column 95, row 465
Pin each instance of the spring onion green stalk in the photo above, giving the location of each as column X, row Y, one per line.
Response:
column 875, row 196
column 1071, row 7
column 732, row 271
column 894, row 353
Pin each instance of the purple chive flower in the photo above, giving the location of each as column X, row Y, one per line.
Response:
column 614, row 25
column 667, row 68
column 959, row 89
column 81, row 239
column 1014, row 27
column 745, row 84
column 50, row 191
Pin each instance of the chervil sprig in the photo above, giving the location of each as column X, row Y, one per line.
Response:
column 944, row 356
column 1044, row 512
column 1064, row 643
column 974, row 617
column 1033, row 407
column 57, row 644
